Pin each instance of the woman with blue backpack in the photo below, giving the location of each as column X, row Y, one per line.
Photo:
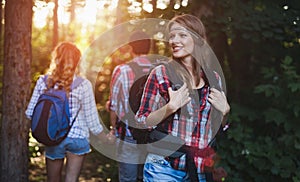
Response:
column 189, row 101
column 80, row 116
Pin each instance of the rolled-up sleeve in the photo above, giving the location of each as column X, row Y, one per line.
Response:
column 90, row 110
column 40, row 86
column 156, row 88
column 115, row 86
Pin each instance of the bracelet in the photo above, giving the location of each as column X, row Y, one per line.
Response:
column 112, row 128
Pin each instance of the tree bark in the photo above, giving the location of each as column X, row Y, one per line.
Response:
column 16, row 90
column 1, row 10
column 1, row 30
column 55, row 25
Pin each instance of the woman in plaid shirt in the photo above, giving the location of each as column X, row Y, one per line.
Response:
column 195, row 98
column 62, row 72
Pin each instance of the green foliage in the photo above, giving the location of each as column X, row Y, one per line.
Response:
column 35, row 149
column 41, row 51
column 262, row 55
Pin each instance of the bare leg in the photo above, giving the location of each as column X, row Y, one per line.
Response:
column 54, row 168
column 74, row 164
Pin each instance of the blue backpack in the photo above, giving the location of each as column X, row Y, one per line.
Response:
column 50, row 122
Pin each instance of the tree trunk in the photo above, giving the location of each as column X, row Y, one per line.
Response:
column 1, row 30
column 122, row 12
column 72, row 26
column 16, row 90
column 1, row 10
column 55, row 25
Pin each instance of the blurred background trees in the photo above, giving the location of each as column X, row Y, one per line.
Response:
column 257, row 43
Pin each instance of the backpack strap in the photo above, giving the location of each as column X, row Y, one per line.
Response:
column 45, row 79
column 138, row 70
column 78, row 80
column 175, row 82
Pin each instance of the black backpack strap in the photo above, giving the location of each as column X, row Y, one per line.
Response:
column 138, row 69
column 174, row 78
column 135, row 68
column 138, row 73
column 176, row 82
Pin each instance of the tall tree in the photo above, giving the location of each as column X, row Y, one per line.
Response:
column 1, row 30
column 0, row 17
column 72, row 25
column 122, row 14
column 16, row 90
column 55, row 25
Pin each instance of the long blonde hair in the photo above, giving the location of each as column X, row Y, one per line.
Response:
column 65, row 59
column 195, row 27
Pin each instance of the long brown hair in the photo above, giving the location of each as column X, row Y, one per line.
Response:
column 65, row 59
column 196, row 28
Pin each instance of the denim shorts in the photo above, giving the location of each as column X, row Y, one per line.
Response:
column 157, row 169
column 78, row 146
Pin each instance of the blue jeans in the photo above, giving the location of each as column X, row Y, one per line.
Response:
column 78, row 146
column 130, row 158
column 157, row 169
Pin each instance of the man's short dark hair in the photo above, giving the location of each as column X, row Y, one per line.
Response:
column 140, row 42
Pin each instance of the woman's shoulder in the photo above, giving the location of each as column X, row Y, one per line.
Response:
column 160, row 67
column 82, row 79
column 157, row 70
column 41, row 80
column 160, row 73
column 165, row 66
column 121, row 69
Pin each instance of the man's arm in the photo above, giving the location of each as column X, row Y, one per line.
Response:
column 115, row 86
column 113, row 121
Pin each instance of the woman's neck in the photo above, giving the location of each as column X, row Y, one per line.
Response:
column 188, row 64
column 187, row 61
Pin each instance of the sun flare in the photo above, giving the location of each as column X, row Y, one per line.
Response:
column 86, row 14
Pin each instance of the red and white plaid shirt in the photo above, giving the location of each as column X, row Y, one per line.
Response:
column 193, row 125
column 121, row 82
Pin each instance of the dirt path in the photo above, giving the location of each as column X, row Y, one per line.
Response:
column 96, row 168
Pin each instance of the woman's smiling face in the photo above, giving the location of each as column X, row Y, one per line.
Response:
column 181, row 41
